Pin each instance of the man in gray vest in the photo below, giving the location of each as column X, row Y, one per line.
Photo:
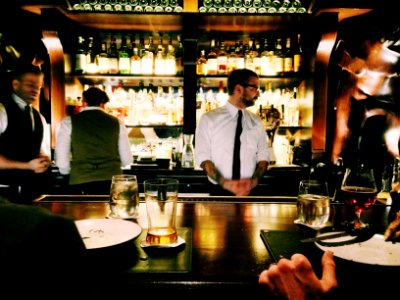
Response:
column 92, row 146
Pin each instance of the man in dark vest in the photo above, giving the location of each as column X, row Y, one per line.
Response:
column 24, row 138
column 92, row 146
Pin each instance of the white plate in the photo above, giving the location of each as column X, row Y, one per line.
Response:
column 100, row 233
column 374, row 251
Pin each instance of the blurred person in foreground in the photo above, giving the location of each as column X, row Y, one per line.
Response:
column 295, row 278
column 92, row 146
column 24, row 137
column 215, row 135
column 366, row 105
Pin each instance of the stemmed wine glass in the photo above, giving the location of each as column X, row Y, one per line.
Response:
column 359, row 191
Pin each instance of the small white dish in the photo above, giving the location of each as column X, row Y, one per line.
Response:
column 180, row 241
column 100, row 233
column 375, row 251
column 327, row 224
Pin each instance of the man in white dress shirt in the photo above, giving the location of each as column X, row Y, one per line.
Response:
column 215, row 134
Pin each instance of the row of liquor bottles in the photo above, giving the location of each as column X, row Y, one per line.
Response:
column 280, row 55
column 252, row 6
column 153, row 106
column 128, row 54
column 140, row 106
column 289, row 102
column 205, row 6
column 158, row 54
column 150, row 6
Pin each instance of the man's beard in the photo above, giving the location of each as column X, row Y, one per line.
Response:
column 248, row 102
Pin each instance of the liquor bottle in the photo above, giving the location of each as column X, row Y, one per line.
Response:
column 135, row 62
column 248, row 56
column 278, row 58
column 267, row 59
column 208, row 3
column 287, row 58
column 103, row 64
column 267, row 4
column 239, row 53
column 91, row 57
column 218, row 4
column 212, row 63
column 256, row 52
column 222, row 59
column 274, row 7
column 113, row 57
column 107, row 6
column 294, row 6
column 237, row 3
column 124, row 60
column 297, row 55
column 147, row 61
column 247, row 3
column 80, row 56
column 300, row 8
column 284, row 6
column 201, row 63
column 159, row 61
column 170, row 61
column 257, row 4
column 164, row 3
column 228, row 3
column 179, row 56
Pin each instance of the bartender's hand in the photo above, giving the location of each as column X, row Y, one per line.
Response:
column 296, row 279
column 39, row 164
column 239, row 187
column 392, row 232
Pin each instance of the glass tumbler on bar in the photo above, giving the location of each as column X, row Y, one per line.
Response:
column 359, row 192
column 124, row 197
column 313, row 203
column 161, row 196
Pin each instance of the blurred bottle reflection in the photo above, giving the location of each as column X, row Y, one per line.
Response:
column 272, row 122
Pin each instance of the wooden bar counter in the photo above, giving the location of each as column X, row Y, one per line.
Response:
column 224, row 253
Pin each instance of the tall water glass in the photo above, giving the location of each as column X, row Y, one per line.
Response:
column 161, row 196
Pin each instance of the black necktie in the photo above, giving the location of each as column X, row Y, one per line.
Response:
column 236, row 149
column 28, row 114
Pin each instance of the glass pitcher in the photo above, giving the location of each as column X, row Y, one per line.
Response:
column 188, row 152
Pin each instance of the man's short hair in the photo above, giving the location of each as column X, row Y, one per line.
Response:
column 239, row 76
column 95, row 96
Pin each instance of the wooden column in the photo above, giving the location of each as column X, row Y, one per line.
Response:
column 57, row 89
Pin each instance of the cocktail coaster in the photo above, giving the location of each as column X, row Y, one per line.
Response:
column 178, row 243
column 177, row 259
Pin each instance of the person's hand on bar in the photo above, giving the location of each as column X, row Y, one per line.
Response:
column 295, row 278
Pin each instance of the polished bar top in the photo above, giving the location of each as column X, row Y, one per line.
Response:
column 227, row 251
